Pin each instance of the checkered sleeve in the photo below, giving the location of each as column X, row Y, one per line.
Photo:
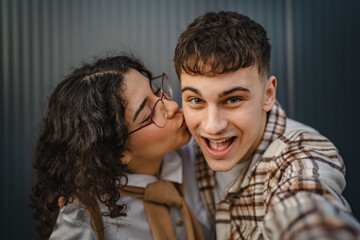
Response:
column 304, row 198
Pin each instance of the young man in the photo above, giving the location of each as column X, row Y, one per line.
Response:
column 261, row 174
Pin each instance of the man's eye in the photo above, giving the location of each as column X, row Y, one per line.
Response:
column 232, row 100
column 196, row 101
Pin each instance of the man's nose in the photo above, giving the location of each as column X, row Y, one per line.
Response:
column 214, row 121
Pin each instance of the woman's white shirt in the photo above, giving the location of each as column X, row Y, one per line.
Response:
column 74, row 221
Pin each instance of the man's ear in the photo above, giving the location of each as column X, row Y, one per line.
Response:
column 269, row 93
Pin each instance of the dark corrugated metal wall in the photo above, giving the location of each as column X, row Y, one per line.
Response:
column 327, row 82
column 315, row 56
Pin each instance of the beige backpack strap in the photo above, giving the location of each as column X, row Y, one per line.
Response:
column 94, row 210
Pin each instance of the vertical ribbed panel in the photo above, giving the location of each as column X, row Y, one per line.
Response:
column 42, row 40
column 327, row 82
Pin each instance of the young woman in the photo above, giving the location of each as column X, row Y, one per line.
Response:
column 107, row 146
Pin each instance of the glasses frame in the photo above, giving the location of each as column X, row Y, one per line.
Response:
column 163, row 95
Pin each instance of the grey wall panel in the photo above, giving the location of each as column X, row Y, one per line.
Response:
column 42, row 40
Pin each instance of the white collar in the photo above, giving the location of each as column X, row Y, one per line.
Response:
column 171, row 170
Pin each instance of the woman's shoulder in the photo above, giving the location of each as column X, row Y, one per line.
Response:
column 73, row 222
column 76, row 212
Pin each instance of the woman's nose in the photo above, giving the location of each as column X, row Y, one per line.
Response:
column 171, row 107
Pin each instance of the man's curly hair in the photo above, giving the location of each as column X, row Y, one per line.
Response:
column 222, row 42
column 83, row 138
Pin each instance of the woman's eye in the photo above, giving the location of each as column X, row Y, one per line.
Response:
column 232, row 100
column 196, row 101
column 157, row 92
column 147, row 119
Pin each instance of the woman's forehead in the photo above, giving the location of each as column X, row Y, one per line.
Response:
column 137, row 88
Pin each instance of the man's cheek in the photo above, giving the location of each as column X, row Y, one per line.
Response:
column 190, row 123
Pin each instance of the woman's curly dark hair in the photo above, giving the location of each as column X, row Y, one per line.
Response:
column 83, row 138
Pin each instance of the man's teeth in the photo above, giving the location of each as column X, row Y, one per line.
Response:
column 219, row 141
column 219, row 145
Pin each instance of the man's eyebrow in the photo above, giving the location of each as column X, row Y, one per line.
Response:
column 191, row 89
column 220, row 95
column 142, row 105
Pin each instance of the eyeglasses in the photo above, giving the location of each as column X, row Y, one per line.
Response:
column 161, row 88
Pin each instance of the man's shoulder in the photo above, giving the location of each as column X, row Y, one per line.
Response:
column 301, row 152
column 292, row 125
column 303, row 143
column 299, row 136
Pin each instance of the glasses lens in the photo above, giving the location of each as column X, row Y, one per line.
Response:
column 167, row 90
column 160, row 114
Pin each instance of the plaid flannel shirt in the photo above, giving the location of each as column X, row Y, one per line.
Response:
column 291, row 189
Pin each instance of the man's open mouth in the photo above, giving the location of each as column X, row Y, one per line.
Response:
column 219, row 144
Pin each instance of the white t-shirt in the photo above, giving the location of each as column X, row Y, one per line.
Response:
column 223, row 180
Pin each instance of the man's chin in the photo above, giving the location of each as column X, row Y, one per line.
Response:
column 220, row 165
